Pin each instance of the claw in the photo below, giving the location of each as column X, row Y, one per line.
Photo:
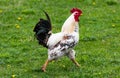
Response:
column 75, row 62
column 78, row 65
column 43, row 69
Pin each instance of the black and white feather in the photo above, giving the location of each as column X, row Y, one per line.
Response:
column 58, row 44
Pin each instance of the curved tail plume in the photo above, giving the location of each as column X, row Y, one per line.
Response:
column 48, row 18
column 43, row 30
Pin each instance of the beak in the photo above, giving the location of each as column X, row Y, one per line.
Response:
column 81, row 14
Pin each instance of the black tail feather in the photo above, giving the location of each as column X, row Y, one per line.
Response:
column 48, row 18
column 42, row 29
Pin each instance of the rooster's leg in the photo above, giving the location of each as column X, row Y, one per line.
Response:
column 45, row 65
column 75, row 62
column 71, row 55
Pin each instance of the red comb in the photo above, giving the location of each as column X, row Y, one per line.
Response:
column 75, row 10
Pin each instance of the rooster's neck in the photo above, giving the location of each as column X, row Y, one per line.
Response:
column 70, row 25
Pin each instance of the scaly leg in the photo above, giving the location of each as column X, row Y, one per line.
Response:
column 45, row 65
column 75, row 62
column 71, row 55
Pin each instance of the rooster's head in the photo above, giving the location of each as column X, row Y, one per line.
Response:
column 77, row 12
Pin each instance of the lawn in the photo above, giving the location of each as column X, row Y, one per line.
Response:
column 98, row 50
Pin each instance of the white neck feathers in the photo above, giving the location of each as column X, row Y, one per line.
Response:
column 69, row 25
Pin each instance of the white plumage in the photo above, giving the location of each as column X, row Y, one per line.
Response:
column 54, row 39
column 60, row 46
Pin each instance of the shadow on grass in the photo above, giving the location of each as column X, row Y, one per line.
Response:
column 37, row 70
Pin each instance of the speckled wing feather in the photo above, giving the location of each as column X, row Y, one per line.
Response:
column 62, row 47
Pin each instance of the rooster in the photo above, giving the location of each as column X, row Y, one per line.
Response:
column 62, row 43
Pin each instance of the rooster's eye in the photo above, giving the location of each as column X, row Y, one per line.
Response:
column 76, row 13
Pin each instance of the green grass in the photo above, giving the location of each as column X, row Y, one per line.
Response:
column 98, row 51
